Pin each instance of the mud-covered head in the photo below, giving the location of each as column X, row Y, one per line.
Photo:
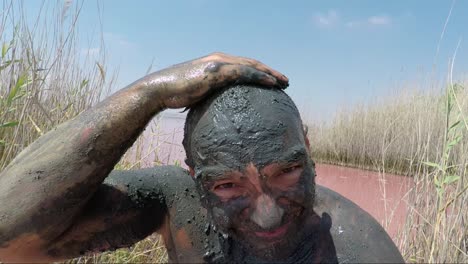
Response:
column 249, row 155
column 234, row 121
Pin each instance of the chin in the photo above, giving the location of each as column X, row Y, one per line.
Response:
column 276, row 250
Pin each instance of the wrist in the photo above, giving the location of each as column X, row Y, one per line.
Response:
column 149, row 93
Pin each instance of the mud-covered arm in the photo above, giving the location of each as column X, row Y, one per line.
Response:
column 126, row 208
column 46, row 188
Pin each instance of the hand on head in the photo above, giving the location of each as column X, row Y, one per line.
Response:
column 187, row 83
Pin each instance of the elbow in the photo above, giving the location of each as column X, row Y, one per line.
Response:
column 25, row 249
column 26, row 256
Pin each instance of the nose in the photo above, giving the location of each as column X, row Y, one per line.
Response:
column 267, row 214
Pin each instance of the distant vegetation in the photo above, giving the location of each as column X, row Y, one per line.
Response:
column 46, row 79
column 421, row 134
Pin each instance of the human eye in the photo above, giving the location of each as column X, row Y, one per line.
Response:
column 227, row 190
column 293, row 168
column 225, row 186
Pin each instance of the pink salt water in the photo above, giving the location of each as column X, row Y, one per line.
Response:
column 384, row 196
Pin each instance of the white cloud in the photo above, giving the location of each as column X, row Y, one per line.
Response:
column 328, row 19
column 352, row 24
column 332, row 18
column 382, row 20
column 372, row 21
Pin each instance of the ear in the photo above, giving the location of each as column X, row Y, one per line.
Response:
column 191, row 172
column 306, row 138
column 307, row 142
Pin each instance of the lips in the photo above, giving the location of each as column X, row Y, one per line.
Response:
column 276, row 233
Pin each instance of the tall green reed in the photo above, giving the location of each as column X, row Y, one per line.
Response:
column 46, row 78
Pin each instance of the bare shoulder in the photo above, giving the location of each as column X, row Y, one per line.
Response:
column 358, row 237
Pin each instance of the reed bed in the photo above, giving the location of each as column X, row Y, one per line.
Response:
column 420, row 134
column 46, row 78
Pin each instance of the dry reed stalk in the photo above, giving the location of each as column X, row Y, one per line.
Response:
column 422, row 135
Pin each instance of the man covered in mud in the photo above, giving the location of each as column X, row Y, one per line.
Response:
column 250, row 194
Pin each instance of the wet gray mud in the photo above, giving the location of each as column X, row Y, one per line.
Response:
column 245, row 125
column 234, row 127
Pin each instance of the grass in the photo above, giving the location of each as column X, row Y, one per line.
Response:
column 150, row 250
column 423, row 135
column 46, row 79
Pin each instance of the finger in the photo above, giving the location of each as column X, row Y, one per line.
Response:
column 282, row 79
column 243, row 74
column 255, row 64
column 263, row 77
column 263, row 67
column 229, row 59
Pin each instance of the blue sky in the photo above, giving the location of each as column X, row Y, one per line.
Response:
column 334, row 52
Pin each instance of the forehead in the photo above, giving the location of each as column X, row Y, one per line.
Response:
column 246, row 126
column 212, row 171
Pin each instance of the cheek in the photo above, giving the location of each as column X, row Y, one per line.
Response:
column 287, row 181
column 292, row 198
column 230, row 213
column 228, row 194
column 291, row 190
column 294, row 195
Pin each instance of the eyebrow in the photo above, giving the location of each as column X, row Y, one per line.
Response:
column 293, row 154
column 214, row 173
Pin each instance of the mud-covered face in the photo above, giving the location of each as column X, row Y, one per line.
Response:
column 262, row 208
column 253, row 169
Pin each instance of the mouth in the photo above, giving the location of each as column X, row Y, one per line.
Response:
column 275, row 233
